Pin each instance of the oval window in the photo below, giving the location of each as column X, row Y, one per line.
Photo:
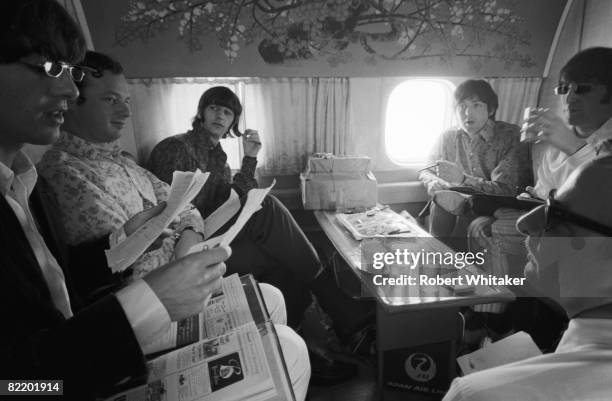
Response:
column 418, row 111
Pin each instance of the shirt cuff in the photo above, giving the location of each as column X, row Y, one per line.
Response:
column 190, row 219
column 116, row 237
column 145, row 312
column 248, row 166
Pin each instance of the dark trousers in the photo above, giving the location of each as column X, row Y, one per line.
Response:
column 448, row 228
column 273, row 248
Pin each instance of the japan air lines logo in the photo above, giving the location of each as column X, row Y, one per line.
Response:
column 420, row 367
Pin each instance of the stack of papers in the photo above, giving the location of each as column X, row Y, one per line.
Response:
column 513, row 348
column 252, row 204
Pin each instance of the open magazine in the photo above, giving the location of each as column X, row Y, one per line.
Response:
column 229, row 349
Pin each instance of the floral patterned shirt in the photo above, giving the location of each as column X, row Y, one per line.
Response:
column 192, row 150
column 99, row 188
column 494, row 160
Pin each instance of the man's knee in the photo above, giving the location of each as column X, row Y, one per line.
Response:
column 296, row 359
column 480, row 227
column 272, row 213
column 272, row 204
column 275, row 303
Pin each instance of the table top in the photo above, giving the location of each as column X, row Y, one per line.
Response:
column 407, row 296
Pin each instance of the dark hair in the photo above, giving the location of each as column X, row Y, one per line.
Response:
column 96, row 64
column 38, row 26
column 592, row 65
column 478, row 88
column 220, row 96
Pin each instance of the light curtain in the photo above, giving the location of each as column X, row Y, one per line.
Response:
column 294, row 116
column 514, row 95
column 75, row 9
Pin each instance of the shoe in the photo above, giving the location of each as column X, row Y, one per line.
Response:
column 454, row 202
column 348, row 333
column 326, row 371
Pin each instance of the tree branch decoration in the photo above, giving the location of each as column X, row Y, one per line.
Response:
column 294, row 30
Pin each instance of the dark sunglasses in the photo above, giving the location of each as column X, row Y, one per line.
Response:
column 55, row 69
column 552, row 210
column 578, row 89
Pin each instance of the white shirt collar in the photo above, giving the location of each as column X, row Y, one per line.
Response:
column 600, row 135
column 22, row 169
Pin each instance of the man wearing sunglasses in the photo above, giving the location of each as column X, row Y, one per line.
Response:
column 569, row 240
column 585, row 91
column 585, row 85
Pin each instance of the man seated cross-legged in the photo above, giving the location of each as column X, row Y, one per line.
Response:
column 482, row 155
column 584, row 132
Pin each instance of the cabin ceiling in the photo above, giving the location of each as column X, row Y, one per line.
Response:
column 170, row 38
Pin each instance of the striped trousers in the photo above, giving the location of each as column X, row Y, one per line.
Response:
column 503, row 245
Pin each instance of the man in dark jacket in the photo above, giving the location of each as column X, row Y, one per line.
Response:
column 46, row 333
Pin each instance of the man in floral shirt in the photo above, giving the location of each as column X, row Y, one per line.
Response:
column 96, row 185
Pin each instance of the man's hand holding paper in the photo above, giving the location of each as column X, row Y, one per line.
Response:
column 184, row 285
column 185, row 186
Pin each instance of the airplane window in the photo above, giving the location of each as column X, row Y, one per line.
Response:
column 418, row 111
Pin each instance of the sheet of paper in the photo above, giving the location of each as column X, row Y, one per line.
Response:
column 253, row 204
column 185, row 186
column 513, row 348
column 222, row 215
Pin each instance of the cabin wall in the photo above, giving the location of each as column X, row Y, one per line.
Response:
column 370, row 82
column 587, row 25
column 385, row 38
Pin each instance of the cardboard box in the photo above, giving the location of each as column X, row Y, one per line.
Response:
column 338, row 183
column 328, row 164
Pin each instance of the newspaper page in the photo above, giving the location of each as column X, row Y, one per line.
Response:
column 253, row 203
column 222, row 214
column 185, row 186
column 246, row 360
column 238, row 302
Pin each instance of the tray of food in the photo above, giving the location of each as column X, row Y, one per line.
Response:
column 375, row 223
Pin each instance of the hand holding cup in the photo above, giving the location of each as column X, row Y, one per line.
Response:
column 548, row 127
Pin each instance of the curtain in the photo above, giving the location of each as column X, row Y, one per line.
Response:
column 294, row 116
column 75, row 9
column 514, row 95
